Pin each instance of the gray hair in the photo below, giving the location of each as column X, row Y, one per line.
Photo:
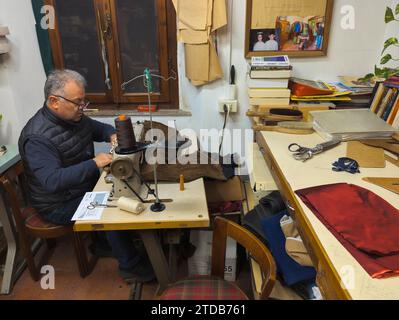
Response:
column 57, row 80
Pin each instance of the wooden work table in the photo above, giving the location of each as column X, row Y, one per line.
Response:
column 339, row 275
column 188, row 209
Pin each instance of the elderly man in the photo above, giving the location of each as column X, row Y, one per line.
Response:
column 57, row 148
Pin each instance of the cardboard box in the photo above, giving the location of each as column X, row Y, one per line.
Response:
column 224, row 191
column 200, row 262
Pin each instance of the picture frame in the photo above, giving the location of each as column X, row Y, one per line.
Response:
column 296, row 28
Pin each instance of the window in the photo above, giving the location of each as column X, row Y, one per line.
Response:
column 113, row 41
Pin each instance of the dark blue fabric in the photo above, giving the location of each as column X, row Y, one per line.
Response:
column 291, row 272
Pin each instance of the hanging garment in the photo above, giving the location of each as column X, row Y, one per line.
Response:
column 365, row 224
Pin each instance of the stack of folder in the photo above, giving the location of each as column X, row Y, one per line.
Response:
column 316, row 91
column 198, row 21
column 361, row 92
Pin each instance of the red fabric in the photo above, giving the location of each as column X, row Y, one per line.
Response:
column 203, row 288
column 365, row 224
column 224, row 207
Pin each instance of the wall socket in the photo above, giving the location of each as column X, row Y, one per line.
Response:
column 232, row 104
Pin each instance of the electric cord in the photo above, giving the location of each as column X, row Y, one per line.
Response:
column 226, row 114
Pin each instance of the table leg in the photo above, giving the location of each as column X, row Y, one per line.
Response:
column 157, row 257
column 6, row 284
column 173, row 261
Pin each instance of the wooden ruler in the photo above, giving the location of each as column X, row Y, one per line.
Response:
column 391, row 184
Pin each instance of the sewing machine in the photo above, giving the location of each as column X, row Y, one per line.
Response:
column 125, row 168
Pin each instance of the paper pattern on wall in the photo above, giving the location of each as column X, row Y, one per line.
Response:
column 197, row 23
column 193, row 13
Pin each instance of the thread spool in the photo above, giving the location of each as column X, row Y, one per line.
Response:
column 125, row 133
column 130, row 205
column 181, row 182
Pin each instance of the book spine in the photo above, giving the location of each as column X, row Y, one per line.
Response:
column 265, row 68
column 390, row 106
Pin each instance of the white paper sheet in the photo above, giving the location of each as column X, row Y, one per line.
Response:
column 83, row 213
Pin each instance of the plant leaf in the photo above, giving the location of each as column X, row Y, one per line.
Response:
column 397, row 9
column 366, row 78
column 390, row 42
column 385, row 73
column 385, row 59
column 389, row 16
column 391, row 72
column 378, row 72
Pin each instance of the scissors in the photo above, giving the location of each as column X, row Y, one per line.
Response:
column 304, row 153
column 94, row 205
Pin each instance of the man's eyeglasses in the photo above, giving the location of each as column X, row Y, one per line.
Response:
column 81, row 105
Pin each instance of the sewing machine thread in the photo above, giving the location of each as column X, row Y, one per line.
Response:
column 130, row 205
column 125, row 133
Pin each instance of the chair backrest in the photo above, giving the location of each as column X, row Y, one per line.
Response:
column 257, row 250
column 9, row 180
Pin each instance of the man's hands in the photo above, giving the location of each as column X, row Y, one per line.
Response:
column 102, row 160
column 114, row 139
column 114, row 142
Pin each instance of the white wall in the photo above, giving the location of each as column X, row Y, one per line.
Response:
column 22, row 71
column 351, row 52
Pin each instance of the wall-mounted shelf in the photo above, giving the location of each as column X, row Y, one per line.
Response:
column 4, row 45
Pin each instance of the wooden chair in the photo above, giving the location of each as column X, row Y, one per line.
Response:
column 30, row 224
column 215, row 287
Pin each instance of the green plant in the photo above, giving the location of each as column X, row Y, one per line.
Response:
column 386, row 72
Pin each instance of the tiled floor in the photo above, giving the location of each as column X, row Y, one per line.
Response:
column 102, row 284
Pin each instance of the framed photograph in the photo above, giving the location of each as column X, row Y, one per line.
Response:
column 297, row 28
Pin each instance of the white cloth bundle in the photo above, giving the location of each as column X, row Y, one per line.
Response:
column 130, row 205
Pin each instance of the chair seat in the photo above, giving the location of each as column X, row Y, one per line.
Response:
column 33, row 220
column 203, row 288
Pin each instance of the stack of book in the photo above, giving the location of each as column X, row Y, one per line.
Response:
column 361, row 92
column 385, row 103
column 268, row 83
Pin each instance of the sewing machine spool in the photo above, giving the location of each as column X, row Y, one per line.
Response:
column 125, row 134
column 127, row 143
column 130, row 205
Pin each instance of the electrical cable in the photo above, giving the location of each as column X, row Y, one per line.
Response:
column 226, row 114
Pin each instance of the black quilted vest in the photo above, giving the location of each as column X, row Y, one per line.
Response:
column 74, row 142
